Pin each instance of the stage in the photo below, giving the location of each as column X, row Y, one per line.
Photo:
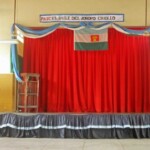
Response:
column 70, row 125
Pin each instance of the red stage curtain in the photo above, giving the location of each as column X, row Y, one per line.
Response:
column 116, row 80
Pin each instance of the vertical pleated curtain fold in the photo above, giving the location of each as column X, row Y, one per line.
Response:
column 116, row 80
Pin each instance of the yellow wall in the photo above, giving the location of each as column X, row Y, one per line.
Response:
column 6, row 80
column 148, row 12
column 7, row 93
column 28, row 11
column 27, row 14
column 6, row 20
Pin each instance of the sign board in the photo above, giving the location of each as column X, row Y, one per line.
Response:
column 47, row 18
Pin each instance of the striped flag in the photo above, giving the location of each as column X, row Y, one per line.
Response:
column 90, row 39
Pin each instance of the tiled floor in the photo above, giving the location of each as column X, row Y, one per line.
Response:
column 73, row 144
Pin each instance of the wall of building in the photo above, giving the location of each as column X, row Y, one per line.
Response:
column 6, row 20
column 28, row 11
column 7, row 93
column 6, row 78
column 27, row 14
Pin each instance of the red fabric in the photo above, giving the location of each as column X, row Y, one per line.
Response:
column 116, row 80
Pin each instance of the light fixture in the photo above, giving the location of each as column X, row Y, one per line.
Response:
column 12, row 41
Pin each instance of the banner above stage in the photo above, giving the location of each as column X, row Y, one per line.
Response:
column 47, row 18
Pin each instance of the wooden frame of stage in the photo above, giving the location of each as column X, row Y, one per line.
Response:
column 59, row 125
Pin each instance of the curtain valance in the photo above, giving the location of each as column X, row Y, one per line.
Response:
column 23, row 31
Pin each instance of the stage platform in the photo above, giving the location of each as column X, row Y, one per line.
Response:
column 68, row 125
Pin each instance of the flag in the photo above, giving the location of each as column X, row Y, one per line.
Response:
column 90, row 39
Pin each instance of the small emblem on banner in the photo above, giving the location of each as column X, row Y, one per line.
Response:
column 95, row 38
